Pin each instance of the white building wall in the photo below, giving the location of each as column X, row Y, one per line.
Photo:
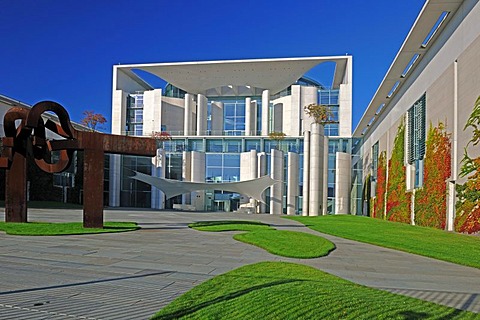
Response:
column 186, row 173
column 306, row 174
column 217, row 118
column 345, row 102
column 152, row 112
column 173, row 111
column 308, row 96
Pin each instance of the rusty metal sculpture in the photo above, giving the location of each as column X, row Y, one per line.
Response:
column 25, row 135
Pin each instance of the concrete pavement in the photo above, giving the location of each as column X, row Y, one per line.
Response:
column 132, row 275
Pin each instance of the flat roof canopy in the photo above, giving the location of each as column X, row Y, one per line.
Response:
column 250, row 75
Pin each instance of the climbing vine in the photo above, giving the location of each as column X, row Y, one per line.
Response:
column 431, row 200
column 366, row 196
column 381, row 186
column 398, row 200
column 468, row 201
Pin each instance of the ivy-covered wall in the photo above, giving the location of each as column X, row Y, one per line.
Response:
column 398, row 200
column 431, row 200
column 379, row 211
column 468, row 195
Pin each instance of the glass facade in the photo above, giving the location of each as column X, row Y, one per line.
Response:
column 134, row 121
column 223, row 153
column 329, row 98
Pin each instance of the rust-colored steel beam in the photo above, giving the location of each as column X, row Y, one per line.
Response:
column 30, row 138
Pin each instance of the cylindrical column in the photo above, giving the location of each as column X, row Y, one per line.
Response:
column 198, row 175
column 248, row 116
column 292, row 183
column 316, row 172
column 262, row 170
column 306, row 173
column 186, row 173
column 343, row 177
column 277, row 190
column 265, row 111
column 187, row 122
column 202, row 106
column 158, row 170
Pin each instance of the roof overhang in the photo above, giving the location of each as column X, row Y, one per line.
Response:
column 242, row 76
column 411, row 46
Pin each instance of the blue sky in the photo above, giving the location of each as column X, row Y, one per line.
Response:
column 64, row 50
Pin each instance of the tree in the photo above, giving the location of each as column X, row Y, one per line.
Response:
column 93, row 120
column 277, row 136
column 161, row 136
column 320, row 113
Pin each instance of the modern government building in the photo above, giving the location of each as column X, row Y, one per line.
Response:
column 413, row 157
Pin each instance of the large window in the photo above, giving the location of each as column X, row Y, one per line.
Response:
column 416, row 138
column 329, row 98
column 134, row 123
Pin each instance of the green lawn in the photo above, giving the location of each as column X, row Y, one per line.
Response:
column 56, row 229
column 279, row 242
column 438, row 244
column 280, row 290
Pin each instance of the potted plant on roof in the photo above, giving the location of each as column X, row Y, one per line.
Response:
column 320, row 113
column 278, row 137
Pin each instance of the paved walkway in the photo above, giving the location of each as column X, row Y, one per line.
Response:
column 132, row 275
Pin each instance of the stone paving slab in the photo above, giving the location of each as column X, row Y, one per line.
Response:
column 133, row 275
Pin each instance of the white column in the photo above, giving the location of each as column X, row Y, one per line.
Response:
column 187, row 122
column 202, row 106
column 186, row 173
column 292, row 183
column 262, row 170
column 306, row 173
column 276, row 173
column 217, row 118
column 198, row 175
column 316, row 170
column 158, row 170
column 249, row 116
column 265, row 111
column 343, row 177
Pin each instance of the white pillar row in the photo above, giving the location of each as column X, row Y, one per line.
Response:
column 186, row 173
column 202, row 108
column 261, row 171
column 265, row 112
column 249, row 116
column 198, row 175
column 306, row 173
column 316, row 170
column 158, row 170
column 292, row 183
column 276, row 173
column 188, row 116
column 217, row 118
column 343, row 177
